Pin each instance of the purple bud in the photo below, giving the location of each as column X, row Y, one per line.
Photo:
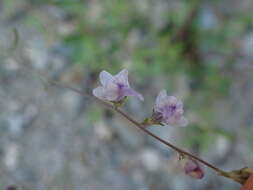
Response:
column 170, row 110
column 115, row 88
column 192, row 168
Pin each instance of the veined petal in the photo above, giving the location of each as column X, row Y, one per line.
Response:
column 122, row 78
column 105, row 77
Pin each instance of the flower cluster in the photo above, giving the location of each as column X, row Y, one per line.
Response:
column 168, row 110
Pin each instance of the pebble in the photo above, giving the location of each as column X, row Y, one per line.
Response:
column 150, row 160
column 102, row 131
column 11, row 156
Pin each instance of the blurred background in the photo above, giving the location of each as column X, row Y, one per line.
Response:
column 54, row 139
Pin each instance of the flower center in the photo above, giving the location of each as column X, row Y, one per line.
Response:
column 170, row 109
column 120, row 89
column 120, row 86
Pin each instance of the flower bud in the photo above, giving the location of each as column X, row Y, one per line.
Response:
column 192, row 168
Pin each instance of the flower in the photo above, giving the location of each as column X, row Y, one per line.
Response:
column 192, row 168
column 115, row 88
column 169, row 110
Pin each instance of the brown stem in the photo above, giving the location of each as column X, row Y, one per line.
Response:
column 136, row 124
column 180, row 151
column 140, row 126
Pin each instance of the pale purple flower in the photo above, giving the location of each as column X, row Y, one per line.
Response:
column 169, row 110
column 192, row 168
column 115, row 88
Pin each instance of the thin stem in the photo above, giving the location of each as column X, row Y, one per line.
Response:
column 136, row 124
column 139, row 125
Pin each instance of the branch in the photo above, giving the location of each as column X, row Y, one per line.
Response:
column 138, row 125
column 231, row 175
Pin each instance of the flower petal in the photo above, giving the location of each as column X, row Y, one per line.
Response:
column 105, row 77
column 183, row 122
column 172, row 100
column 112, row 92
column 179, row 104
column 108, row 93
column 99, row 92
column 161, row 99
column 132, row 92
column 122, row 78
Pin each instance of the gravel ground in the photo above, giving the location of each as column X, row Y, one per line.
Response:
column 49, row 139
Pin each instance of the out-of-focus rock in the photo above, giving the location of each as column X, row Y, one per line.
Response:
column 11, row 65
column 71, row 100
column 128, row 134
column 102, row 131
column 36, row 52
column 247, row 44
column 11, row 156
column 222, row 145
column 150, row 160
column 208, row 19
